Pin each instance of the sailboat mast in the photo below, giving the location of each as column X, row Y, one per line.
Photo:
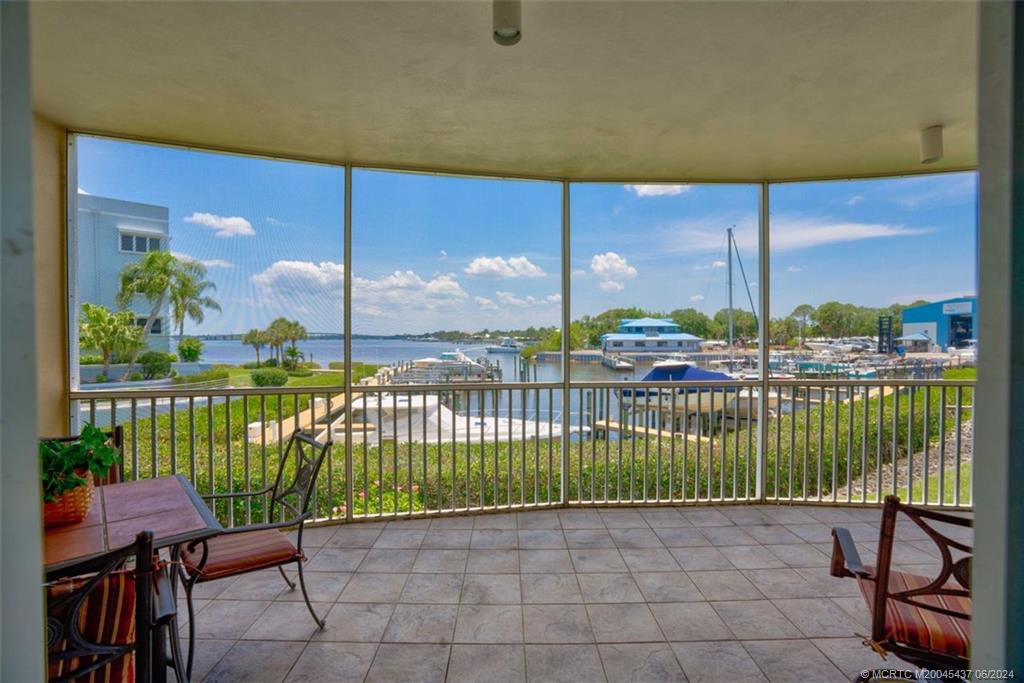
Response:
column 729, row 240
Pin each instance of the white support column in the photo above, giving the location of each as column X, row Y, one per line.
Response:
column 347, row 328
column 22, row 647
column 566, row 324
column 764, row 291
column 998, row 566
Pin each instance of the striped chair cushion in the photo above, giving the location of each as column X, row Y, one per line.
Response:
column 106, row 617
column 920, row 627
column 232, row 554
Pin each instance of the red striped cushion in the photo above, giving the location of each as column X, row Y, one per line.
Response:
column 921, row 627
column 231, row 554
column 106, row 617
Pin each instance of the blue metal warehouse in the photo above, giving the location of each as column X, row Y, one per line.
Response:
column 947, row 323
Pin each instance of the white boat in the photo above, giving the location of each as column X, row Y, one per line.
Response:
column 423, row 418
column 507, row 345
column 451, row 366
column 694, row 394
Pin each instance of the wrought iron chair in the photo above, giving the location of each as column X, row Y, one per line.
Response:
column 244, row 549
column 925, row 621
column 101, row 617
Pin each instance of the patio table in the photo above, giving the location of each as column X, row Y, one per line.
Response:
column 167, row 506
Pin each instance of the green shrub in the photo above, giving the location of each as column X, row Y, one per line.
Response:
column 269, row 377
column 336, row 365
column 310, row 365
column 155, row 364
column 301, row 372
column 136, row 377
column 205, row 376
column 270, row 363
column 100, row 378
column 190, row 349
column 90, row 360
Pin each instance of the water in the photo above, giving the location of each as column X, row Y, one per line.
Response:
column 388, row 351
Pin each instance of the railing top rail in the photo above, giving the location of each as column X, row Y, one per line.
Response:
column 196, row 392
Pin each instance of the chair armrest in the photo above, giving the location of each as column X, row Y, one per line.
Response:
column 239, row 494
column 845, row 558
column 294, row 521
column 164, row 607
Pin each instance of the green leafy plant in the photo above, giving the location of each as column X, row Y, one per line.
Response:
column 100, row 378
column 155, row 364
column 67, row 464
column 269, row 377
column 136, row 377
column 190, row 349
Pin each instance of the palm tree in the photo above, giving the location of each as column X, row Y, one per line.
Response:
column 257, row 339
column 108, row 332
column 189, row 300
column 296, row 332
column 277, row 335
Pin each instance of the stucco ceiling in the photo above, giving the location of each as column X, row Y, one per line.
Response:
column 595, row 90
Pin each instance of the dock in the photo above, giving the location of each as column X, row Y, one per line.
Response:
column 607, row 426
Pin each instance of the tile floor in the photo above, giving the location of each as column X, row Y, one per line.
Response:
column 731, row 593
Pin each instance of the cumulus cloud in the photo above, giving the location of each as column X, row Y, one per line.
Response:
column 579, row 273
column 500, row 268
column 442, row 255
column 794, row 269
column 657, row 190
column 209, row 263
column 81, row 191
column 854, row 200
column 512, row 299
column 612, row 270
column 370, row 296
column 697, row 297
column 224, row 226
column 485, row 303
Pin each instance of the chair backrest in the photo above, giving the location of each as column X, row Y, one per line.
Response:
column 298, row 494
column 958, row 570
column 98, row 615
column 116, row 437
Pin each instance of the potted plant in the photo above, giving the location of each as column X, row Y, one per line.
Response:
column 68, row 468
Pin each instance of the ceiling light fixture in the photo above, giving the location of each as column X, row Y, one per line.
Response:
column 508, row 21
column 931, row 144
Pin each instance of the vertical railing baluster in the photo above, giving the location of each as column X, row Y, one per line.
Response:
column 879, row 456
column 536, row 446
column 942, row 446
column 835, row 443
column 551, row 441
column 925, row 439
column 394, row 452
column 736, row 442
column 850, row 416
column 750, row 457
column 174, row 436
column 821, row 438
column 957, row 426
column 700, row 437
column 192, row 439
column 895, row 438
column 866, row 396
column 155, row 468
column 711, row 444
column 245, row 458
column 135, row 436
column 227, row 451
column 672, row 447
column 209, row 449
column 807, row 439
column 263, row 454
column 910, row 443
column 778, row 447
column 607, row 436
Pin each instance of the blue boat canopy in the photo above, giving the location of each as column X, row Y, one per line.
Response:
column 684, row 373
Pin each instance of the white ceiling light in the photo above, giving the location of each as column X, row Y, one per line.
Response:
column 931, row 144
column 508, row 21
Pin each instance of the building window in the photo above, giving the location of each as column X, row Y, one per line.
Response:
column 640, row 343
column 157, row 327
column 617, row 344
column 139, row 244
column 661, row 343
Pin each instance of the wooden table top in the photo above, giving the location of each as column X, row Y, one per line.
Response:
column 167, row 506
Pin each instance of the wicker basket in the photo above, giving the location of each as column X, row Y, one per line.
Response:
column 72, row 506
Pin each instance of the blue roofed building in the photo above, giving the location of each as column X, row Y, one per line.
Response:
column 649, row 335
column 949, row 322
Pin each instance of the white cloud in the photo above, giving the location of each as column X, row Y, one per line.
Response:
column 787, row 234
column 794, row 269
column 697, row 297
column 81, row 191
column 324, row 282
column 500, row 268
column 225, row 226
column 512, row 299
column 579, row 273
column 611, row 269
column 854, row 200
column 657, row 190
column 209, row 263
column 485, row 303
column 443, row 255
column 714, row 265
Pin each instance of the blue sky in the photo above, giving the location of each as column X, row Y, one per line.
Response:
column 436, row 252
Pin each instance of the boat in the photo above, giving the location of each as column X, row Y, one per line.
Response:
column 451, row 366
column 424, row 418
column 695, row 394
column 507, row 345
